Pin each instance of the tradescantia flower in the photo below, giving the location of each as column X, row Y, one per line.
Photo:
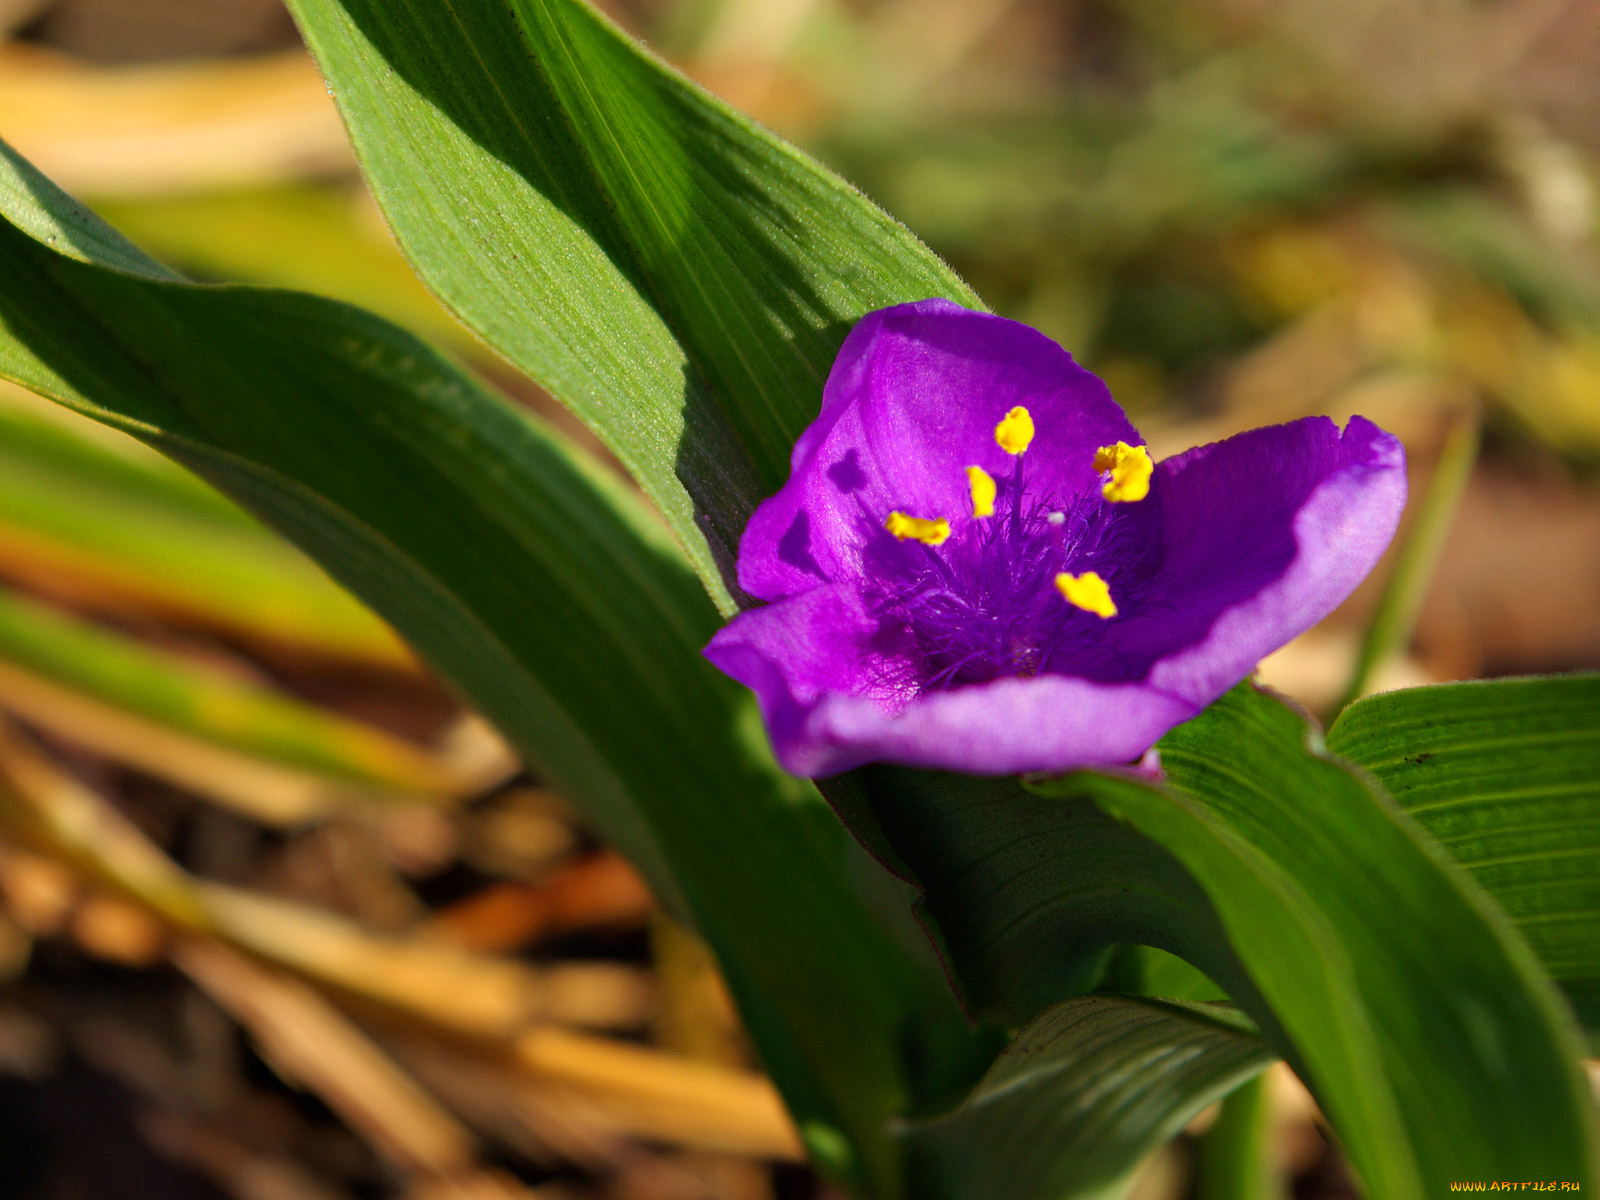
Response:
column 976, row 566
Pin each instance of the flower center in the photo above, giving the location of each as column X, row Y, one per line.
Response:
column 997, row 595
column 987, row 602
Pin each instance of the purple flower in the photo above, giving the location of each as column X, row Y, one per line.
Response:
column 975, row 566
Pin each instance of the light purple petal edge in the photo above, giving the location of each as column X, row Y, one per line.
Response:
column 1341, row 532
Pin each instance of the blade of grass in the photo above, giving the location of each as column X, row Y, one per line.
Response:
column 151, row 687
column 267, row 792
column 1387, row 977
column 115, row 530
column 1416, row 557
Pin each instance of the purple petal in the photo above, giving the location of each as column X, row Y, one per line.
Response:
column 835, row 697
column 795, row 652
column 911, row 402
column 1263, row 535
column 1034, row 723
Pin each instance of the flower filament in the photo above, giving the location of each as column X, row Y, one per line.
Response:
column 1002, row 597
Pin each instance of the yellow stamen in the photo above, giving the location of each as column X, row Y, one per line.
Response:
column 1015, row 432
column 1088, row 592
column 918, row 529
column 1130, row 468
column 982, row 492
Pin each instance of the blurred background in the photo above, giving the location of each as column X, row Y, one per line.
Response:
column 279, row 919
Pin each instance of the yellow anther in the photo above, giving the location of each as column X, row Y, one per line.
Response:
column 1130, row 468
column 929, row 533
column 1088, row 592
column 982, row 492
column 1015, row 431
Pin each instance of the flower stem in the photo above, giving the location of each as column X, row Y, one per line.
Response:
column 1237, row 1159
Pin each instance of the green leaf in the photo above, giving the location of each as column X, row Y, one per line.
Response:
column 1396, row 989
column 315, row 238
column 1080, row 1096
column 1409, row 1005
column 541, row 587
column 1146, row 971
column 677, row 276
column 117, row 527
column 1506, row 775
column 36, row 435
column 44, row 212
column 151, row 685
column 1026, row 896
column 1237, row 1156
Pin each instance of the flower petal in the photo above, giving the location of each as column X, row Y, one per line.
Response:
column 1263, row 535
column 795, row 652
column 835, row 695
column 1007, row 726
column 913, row 401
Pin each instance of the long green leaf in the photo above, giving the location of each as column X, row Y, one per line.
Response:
column 1237, row 1155
column 312, row 238
column 1416, row 1014
column 163, row 688
column 1027, row 896
column 38, row 436
column 1393, row 985
column 1080, row 1096
column 78, row 514
column 674, row 274
column 1506, row 775
column 538, row 585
